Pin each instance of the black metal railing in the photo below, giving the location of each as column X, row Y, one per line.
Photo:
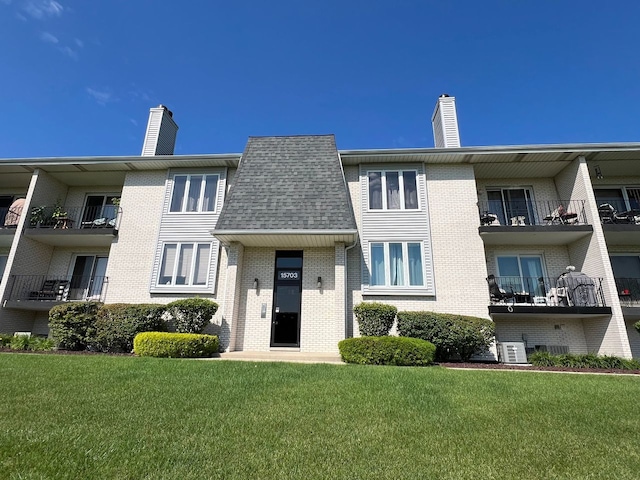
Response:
column 9, row 217
column 528, row 212
column 574, row 290
column 628, row 291
column 107, row 216
column 64, row 288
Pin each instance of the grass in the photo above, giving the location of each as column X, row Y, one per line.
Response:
column 144, row 418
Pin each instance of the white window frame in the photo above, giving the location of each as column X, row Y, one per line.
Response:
column 185, row 195
column 189, row 284
column 405, row 261
column 383, row 179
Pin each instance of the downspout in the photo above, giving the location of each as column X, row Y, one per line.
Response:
column 346, row 286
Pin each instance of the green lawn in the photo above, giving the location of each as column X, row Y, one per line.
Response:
column 123, row 417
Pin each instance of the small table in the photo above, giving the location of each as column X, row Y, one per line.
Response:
column 63, row 223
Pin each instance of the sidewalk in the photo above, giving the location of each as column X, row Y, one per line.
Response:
column 278, row 356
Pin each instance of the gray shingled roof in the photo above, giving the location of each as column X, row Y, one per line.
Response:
column 288, row 183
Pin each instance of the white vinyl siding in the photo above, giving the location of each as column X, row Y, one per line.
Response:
column 406, row 226
column 190, row 231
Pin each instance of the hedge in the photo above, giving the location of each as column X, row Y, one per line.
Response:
column 453, row 335
column 69, row 324
column 175, row 345
column 191, row 315
column 117, row 324
column 545, row 359
column 374, row 319
column 387, row 350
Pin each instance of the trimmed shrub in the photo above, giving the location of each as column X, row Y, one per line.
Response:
column 387, row 350
column 374, row 319
column 571, row 360
column 453, row 335
column 637, row 326
column 70, row 322
column 117, row 324
column 191, row 315
column 34, row 344
column 175, row 345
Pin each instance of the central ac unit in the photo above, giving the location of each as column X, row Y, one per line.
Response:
column 512, row 352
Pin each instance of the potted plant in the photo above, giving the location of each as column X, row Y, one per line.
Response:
column 37, row 215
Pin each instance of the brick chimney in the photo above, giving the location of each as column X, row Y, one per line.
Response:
column 445, row 123
column 160, row 138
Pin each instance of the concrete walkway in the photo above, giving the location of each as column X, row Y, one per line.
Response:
column 278, row 356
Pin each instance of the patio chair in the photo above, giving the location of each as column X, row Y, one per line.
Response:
column 51, row 290
column 496, row 293
column 606, row 213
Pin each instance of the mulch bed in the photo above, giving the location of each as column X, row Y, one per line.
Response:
column 503, row 366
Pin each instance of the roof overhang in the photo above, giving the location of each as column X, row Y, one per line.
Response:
column 286, row 238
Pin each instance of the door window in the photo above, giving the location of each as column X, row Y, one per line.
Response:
column 88, row 277
column 512, row 205
column 522, row 273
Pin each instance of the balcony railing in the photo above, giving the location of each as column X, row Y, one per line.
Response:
column 75, row 217
column 609, row 214
column 565, row 291
column 528, row 212
column 47, row 288
column 628, row 291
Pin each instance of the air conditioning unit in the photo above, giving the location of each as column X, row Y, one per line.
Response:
column 512, row 352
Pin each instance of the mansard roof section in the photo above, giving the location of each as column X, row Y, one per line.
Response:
column 288, row 183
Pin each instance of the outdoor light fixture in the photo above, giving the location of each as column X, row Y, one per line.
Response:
column 319, row 282
column 598, row 172
column 255, row 283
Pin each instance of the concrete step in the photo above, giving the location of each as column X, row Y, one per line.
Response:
column 282, row 356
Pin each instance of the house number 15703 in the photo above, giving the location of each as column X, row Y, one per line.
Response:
column 288, row 275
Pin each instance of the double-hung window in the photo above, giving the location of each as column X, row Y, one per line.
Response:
column 396, row 264
column 393, row 190
column 185, row 264
column 194, row 193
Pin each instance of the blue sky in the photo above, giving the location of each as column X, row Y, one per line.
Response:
column 78, row 77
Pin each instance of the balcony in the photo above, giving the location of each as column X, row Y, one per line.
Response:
column 570, row 295
column 77, row 226
column 629, row 295
column 527, row 222
column 621, row 227
column 41, row 292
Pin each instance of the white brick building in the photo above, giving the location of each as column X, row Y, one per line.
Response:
column 290, row 235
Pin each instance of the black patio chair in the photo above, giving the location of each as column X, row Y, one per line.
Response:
column 496, row 293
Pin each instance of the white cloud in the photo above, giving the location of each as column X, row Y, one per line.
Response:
column 69, row 52
column 41, row 9
column 79, row 42
column 101, row 96
column 48, row 38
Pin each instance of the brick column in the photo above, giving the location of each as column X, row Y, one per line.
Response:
column 231, row 303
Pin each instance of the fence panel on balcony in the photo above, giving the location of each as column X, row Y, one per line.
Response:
column 57, row 288
column 107, row 216
column 568, row 290
column 528, row 212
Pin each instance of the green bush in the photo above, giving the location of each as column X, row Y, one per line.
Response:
column 375, row 319
column 545, row 359
column 453, row 335
column 387, row 350
column 191, row 315
column 175, row 345
column 117, row 324
column 34, row 344
column 637, row 326
column 69, row 324
column 5, row 339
